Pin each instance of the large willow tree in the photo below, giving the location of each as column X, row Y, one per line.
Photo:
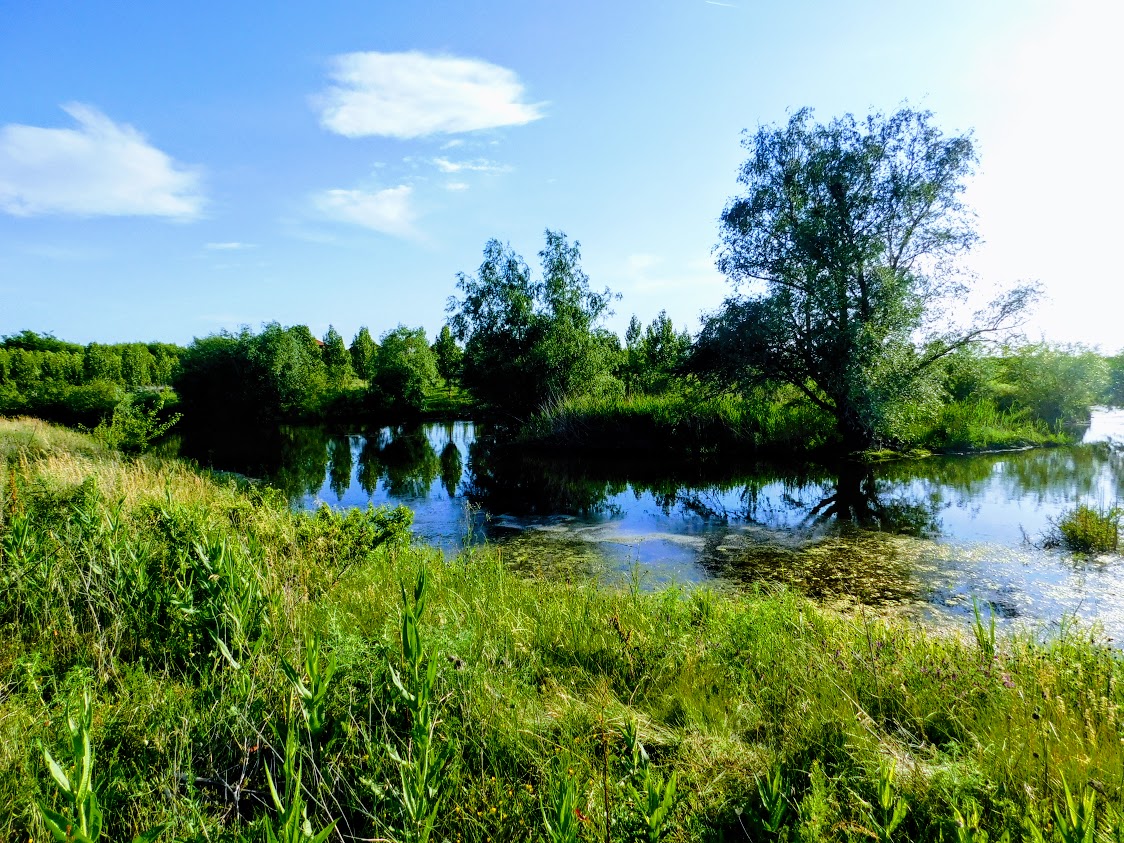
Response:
column 841, row 251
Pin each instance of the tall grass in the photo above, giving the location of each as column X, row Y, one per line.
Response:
column 760, row 424
column 680, row 420
column 981, row 426
column 257, row 673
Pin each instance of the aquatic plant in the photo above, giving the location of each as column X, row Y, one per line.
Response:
column 1087, row 529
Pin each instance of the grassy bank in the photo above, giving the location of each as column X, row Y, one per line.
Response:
column 786, row 425
column 680, row 422
column 247, row 665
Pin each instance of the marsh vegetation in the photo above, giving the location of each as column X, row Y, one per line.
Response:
column 242, row 658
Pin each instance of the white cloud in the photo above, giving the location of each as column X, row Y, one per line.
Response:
column 480, row 165
column 410, row 95
column 229, row 247
column 456, row 185
column 388, row 211
column 452, row 144
column 648, row 273
column 101, row 168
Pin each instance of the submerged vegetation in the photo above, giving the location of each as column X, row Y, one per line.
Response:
column 259, row 673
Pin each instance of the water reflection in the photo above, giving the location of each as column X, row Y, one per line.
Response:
column 925, row 534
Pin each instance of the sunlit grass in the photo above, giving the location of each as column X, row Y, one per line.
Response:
column 193, row 610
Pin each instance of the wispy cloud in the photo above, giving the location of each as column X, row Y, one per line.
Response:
column 480, row 165
column 647, row 273
column 410, row 95
column 232, row 246
column 388, row 211
column 456, row 185
column 101, row 168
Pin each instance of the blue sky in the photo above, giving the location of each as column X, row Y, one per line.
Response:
column 169, row 170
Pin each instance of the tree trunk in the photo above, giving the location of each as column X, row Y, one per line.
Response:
column 855, row 433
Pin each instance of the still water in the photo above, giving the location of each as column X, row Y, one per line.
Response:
column 921, row 536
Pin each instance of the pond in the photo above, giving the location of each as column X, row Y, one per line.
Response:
column 923, row 537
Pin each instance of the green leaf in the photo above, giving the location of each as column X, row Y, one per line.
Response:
column 57, row 772
column 95, row 816
column 149, row 836
column 226, row 653
column 56, row 823
column 323, row 835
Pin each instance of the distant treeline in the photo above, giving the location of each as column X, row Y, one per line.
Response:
column 287, row 374
column 44, row 376
column 535, row 353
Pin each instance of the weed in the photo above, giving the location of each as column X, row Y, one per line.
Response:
column 422, row 765
column 312, row 689
column 83, row 822
column 774, row 801
column 655, row 800
column 561, row 817
column 890, row 808
column 293, row 823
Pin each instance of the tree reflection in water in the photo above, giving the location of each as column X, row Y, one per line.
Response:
column 339, row 465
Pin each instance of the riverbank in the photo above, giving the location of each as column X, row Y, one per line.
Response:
column 209, row 622
column 724, row 424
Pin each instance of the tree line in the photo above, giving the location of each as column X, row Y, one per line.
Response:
column 45, row 376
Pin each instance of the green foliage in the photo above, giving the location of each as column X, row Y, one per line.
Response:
column 32, row 341
column 83, row 822
column 449, row 355
column 293, row 823
column 845, row 286
column 560, row 817
column 337, row 359
column 405, row 372
column 1087, row 529
column 101, row 362
column 969, row 828
column 247, row 377
column 364, row 354
column 689, row 420
column 654, row 355
column 136, row 423
column 1114, row 390
column 1077, row 819
column 527, row 341
column 1057, row 384
column 773, row 790
column 312, row 689
column 984, row 633
column 137, row 365
column 423, row 763
column 890, row 807
column 979, row 425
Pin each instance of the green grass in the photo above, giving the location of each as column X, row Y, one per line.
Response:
column 777, row 425
column 249, row 667
column 680, row 421
column 980, row 426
